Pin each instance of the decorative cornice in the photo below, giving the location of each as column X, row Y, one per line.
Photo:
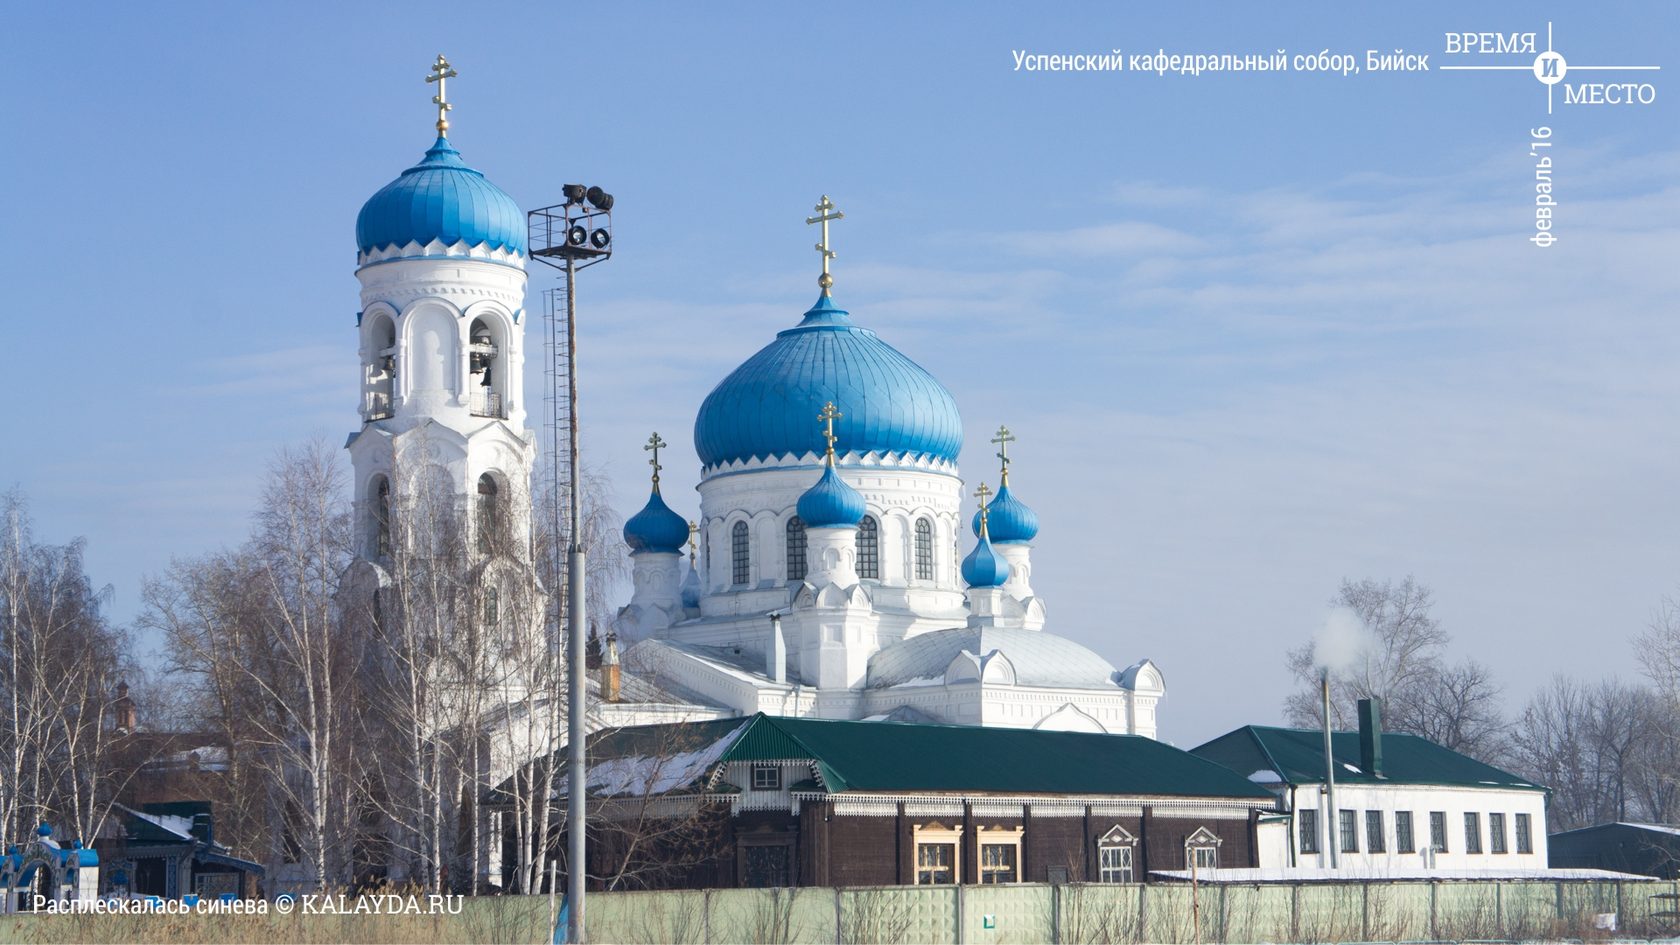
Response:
column 436, row 249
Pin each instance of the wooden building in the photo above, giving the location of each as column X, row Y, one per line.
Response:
column 775, row 801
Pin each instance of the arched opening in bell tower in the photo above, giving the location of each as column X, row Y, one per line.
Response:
column 381, row 367
column 381, row 517
column 487, row 375
column 488, row 518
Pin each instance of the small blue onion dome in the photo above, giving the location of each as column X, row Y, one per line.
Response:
column 1010, row 521
column 763, row 409
column 691, row 586
column 655, row 528
column 831, row 503
column 983, row 567
column 442, row 199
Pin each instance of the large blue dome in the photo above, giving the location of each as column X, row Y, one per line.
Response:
column 767, row 408
column 442, row 199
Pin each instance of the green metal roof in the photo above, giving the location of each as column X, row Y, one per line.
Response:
column 1297, row 756
column 903, row 757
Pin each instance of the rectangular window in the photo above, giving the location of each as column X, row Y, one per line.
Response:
column 1374, row 841
column 1114, row 864
column 1525, row 842
column 1205, row 858
column 766, row 778
column 1438, row 830
column 924, row 550
column 1349, row 829
column 997, row 863
column 1308, row 819
column 1403, row 832
column 1496, row 833
column 740, row 554
column 1472, row 833
column 936, row 864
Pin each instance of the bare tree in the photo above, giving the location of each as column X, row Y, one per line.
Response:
column 1587, row 743
column 1399, row 658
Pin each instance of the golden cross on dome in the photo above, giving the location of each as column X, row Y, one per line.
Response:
column 441, row 70
column 983, row 493
column 826, row 212
column 656, row 444
column 828, row 416
column 1003, row 439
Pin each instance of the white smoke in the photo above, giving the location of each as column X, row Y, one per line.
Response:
column 1341, row 644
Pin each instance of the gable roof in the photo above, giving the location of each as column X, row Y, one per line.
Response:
column 905, row 757
column 1296, row 756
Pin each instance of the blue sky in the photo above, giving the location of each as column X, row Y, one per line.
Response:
column 1256, row 332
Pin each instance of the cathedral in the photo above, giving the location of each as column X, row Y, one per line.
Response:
column 825, row 576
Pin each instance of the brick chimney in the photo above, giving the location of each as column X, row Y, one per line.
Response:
column 1370, row 736
column 610, row 683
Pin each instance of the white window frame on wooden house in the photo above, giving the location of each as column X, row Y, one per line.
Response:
column 1116, row 856
column 938, row 835
column 1203, row 841
column 999, row 854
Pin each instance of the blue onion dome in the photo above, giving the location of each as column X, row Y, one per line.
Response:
column 656, row 528
column 763, row 409
column 1010, row 521
column 831, row 503
column 983, row 567
column 441, row 199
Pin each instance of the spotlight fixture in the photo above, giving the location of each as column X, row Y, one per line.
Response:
column 600, row 238
column 600, row 199
column 574, row 192
column 577, row 235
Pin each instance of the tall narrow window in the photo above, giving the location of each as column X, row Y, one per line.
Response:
column 1496, row 833
column 1403, row 842
column 1525, row 841
column 1472, row 832
column 488, row 514
column 1375, row 842
column 795, row 549
column 1349, row 831
column 869, row 549
column 382, row 517
column 1307, row 818
column 740, row 554
column 1438, row 830
column 1114, row 856
column 924, row 550
column 492, row 606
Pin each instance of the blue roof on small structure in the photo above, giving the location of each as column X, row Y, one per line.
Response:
column 442, row 199
column 831, row 502
column 767, row 407
column 1011, row 522
column 655, row 528
column 983, row 567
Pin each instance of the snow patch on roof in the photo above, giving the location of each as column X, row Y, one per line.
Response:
column 1265, row 776
column 652, row 774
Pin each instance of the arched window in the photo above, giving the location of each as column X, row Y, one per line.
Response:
column 382, row 368
column 740, row 554
column 492, row 606
column 795, row 549
column 869, row 549
column 924, row 549
column 489, row 515
column 485, row 388
column 382, row 517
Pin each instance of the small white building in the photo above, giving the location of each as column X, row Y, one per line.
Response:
column 1401, row 801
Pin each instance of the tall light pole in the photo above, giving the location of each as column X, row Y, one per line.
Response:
column 572, row 236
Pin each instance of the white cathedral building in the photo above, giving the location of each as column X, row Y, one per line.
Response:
column 828, row 580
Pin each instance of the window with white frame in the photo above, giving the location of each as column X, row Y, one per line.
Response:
column 1115, row 856
column 1375, row 842
column 1000, row 854
column 1438, row 830
column 1201, row 850
column 924, row 549
column 1348, row 827
column 936, row 854
column 869, row 548
column 1403, row 842
column 766, row 778
column 1307, row 819
column 1525, row 840
column 795, row 549
column 1496, row 833
column 740, row 554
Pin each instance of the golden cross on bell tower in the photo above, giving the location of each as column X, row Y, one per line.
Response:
column 826, row 213
column 828, row 416
column 983, row 493
column 441, row 70
column 692, row 529
column 1003, row 439
column 655, row 444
